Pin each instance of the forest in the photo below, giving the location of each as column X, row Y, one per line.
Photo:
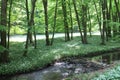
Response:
column 59, row 40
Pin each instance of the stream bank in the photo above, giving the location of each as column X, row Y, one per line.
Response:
column 66, row 67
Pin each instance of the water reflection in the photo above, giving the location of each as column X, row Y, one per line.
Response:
column 107, row 58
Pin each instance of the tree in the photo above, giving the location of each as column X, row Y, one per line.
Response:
column 98, row 16
column 84, row 21
column 78, row 20
column 9, row 21
column 4, row 54
column 66, row 27
column 45, row 4
column 71, row 17
column 109, row 10
column 104, row 8
column 30, row 25
column 90, row 23
column 117, row 11
column 54, row 25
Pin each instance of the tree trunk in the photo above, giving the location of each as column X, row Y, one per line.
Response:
column 104, row 21
column 99, row 20
column 45, row 4
column 28, row 32
column 118, row 11
column 109, row 19
column 9, row 22
column 4, row 55
column 54, row 26
column 78, row 20
column 30, row 25
column 71, row 20
column 90, row 23
column 65, row 20
column 84, row 22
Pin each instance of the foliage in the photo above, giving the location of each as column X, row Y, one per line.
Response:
column 3, row 28
column 113, row 74
column 18, row 16
column 116, row 38
column 1, row 48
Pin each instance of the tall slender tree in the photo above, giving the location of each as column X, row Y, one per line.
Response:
column 67, row 36
column 54, row 25
column 45, row 4
column 71, row 17
column 103, row 4
column 98, row 16
column 84, row 21
column 109, row 15
column 78, row 20
column 90, row 23
column 9, row 21
column 30, row 20
column 118, row 11
column 4, row 54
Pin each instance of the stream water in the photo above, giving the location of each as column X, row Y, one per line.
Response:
column 68, row 67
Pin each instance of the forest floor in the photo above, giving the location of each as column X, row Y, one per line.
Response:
column 44, row 56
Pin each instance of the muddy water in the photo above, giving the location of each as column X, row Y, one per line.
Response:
column 68, row 67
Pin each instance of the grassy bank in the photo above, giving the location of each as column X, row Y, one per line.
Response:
column 44, row 55
column 110, row 74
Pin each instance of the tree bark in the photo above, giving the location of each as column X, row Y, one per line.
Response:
column 109, row 34
column 84, row 22
column 103, row 3
column 30, row 25
column 65, row 20
column 9, row 22
column 118, row 11
column 90, row 24
column 54, row 26
column 78, row 20
column 99, row 20
column 45, row 4
column 4, row 55
column 71, row 19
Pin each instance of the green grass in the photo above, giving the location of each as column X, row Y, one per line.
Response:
column 43, row 55
column 110, row 74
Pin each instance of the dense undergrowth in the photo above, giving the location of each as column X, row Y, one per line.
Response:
column 44, row 55
column 113, row 74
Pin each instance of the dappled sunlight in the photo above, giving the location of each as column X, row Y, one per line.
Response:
column 77, row 47
column 73, row 44
column 57, row 57
column 55, row 50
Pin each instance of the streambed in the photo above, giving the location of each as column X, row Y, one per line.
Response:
column 69, row 66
